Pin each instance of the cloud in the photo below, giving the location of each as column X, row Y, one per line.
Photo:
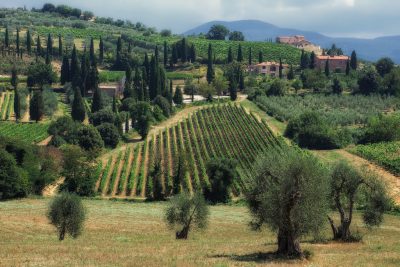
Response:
column 332, row 17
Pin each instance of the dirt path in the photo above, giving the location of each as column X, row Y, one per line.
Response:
column 25, row 117
column 45, row 142
column 52, row 189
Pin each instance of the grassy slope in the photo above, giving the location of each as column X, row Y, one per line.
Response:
column 133, row 234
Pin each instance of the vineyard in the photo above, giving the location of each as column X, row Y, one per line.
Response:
column 28, row 132
column 385, row 154
column 6, row 106
column 219, row 131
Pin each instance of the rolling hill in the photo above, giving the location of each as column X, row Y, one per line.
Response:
column 367, row 49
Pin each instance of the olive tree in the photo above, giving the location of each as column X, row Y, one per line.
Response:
column 185, row 212
column 289, row 195
column 348, row 185
column 67, row 214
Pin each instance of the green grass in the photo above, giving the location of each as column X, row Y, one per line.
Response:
column 134, row 234
column 28, row 132
column 111, row 76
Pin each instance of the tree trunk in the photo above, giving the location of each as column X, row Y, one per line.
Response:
column 62, row 234
column 183, row 234
column 288, row 245
column 335, row 230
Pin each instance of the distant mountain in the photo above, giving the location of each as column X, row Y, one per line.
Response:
column 368, row 49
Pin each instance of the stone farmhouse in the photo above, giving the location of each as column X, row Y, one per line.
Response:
column 268, row 69
column 336, row 63
column 300, row 42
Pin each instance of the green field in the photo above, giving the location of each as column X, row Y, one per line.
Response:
column 28, row 132
column 386, row 155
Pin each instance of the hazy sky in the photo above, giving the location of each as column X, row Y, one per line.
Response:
column 355, row 18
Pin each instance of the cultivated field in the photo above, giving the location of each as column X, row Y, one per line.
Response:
column 134, row 234
column 28, row 132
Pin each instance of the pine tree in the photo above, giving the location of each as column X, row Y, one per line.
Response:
column 101, row 51
column 193, row 53
column 17, row 42
column 230, row 55
column 17, row 105
column 165, row 54
column 348, row 68
column 60, row 46
column 280, row 69
column 290, row 75
column 260, row 57
column 353, row 60
column 14, row 78
column 210, row 67
column 28, row 42
column 78, row 112
column 36, row 106
column 65, row 71
column 312, row 60
column 240, row 54
column 38, row 46
column 327, row 69
column 97, row 103
column 6, row 38
column 250, row 56
column 92, row 55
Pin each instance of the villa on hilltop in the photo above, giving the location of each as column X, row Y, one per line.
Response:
column 300, row 42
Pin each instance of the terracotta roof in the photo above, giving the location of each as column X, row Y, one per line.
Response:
column 333, row 58
column 268, row 63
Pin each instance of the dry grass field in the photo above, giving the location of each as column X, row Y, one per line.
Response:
column 134, row 234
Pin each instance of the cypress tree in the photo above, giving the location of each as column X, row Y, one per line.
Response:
column 97, row 100
column 154, row 80
column 241, row 80
column 17, row 41
column 348, row 68
column 260, row 57
column 92, row 55
column 230, row 55
column 312, row 60
column 36, row 106
column 75, row 72
column 174, row 56
column 210, row 68
column 144, row 87
column 6, row 38
column 146, row 65
column 327, row 70
column 93, row 78
column 250, row 56
column 178, row 96
column 165, row 54
column 193, row 53
column 38, row 46
column 49, row 46
column 353, row 60
column 114, row 104
column 28, row 42
column 101, row 50
column 128, row 90
column 78, row 112
column 184, row 51
column 14, row 78
column 17, row 105
column 85, row 69
column 171, row 89
column 280, row 69
column 233, row 88
column 156, row 55
column 240, row 54
column 119, row 45
column 290, row 75
column 137, row 81
column 60, row 46
column 65, row 71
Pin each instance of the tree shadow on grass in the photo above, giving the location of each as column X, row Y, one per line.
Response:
column 259, row 257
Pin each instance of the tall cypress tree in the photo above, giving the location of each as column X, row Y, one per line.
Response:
column 138, row 84
column 210, row 67
column 60, row 46
column 250, row 56
column 49, row 46
column 327, row 69
column 233, row 88
column 157, row 55
column 128, row 90
column 6, row 38
column 241, row 80
column 92, row 55
column 280, row 69
column 146, row 65
column 36, row 106
column 312, row 60
column 174, row 56
column 184, row 50
column 65, row 71
column 290, row 75
column 353, row 60
column 165, row 54
column 75, row 71
column 348, row 68
column 193, row 53
column 97, row 103
column 78, row 112
column 230, row 55
column 14, row 78
column 28, row 42
column 119, row 45
column 17, row 41
column 101, row 50
column 17, row 105
column 93, row 78
column 38, row 46
column 260, row 57
column 85, row 69
column 240, row 54
column 154, row 80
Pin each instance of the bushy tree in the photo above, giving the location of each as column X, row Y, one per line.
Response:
column 185, row 213
column 391, row 82
column 369, row 82
column 236, row 36
column 217, row 32
column 40, row 74
column 337, row 87
column 36, row 106
column 109, row 133
column 103, row 116
column 67, row 214
column 221, row 173
column 88, row 138
column 78, row 111
column 143, row 126
column 384, row 66
column 289, row 195
column 347, row 185
column 277, row 88
column 178, row 96
column 164, row 105
column 382, row 129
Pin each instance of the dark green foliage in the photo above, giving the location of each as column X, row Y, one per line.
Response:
column 78, row 111
column 97, row 102
column 65, row 71
column 369, row 82
column 348, row 68
column 217, row 32
column 260, row 57
column 17, row 105
column 304, row 60
column 101, row 50
column 36, row 106
column 49, row 46
column 233, row 88
column 312, row 60
column 13, row 180
column 128, row 89
column 88, row 138
column 240, row 54
column 210, row 67
column 165, row 54
column 60, row 46
column 382, row 129
column 230, row 55
column 6, row 38
column 143, row 126
column 109, row 133
column 67, row 214
column 75, row 71
column 155, row 175
column 289, row 195
column 384, row 66
column 178, row 96
column 277, row 88
column 185, row 213
column 337, row 87
column 280, row 69
column 251, row 56
column 164, row 105
column 222, row 173
column 180, row 169
column 38, row 46
column 40, row 74
column 14, row 78
column 290, row 74
column 391, row 82
column 327, row 69
column 28, row 42
column 236, row 36
column 192, row 54
column 353, row 60
column 91, row 53
column 17, row 42
column 349, row 185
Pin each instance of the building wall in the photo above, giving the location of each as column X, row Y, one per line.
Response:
column 334, row 63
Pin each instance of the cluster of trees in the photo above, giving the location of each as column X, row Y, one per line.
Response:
column 220, row 32
column 181, row 51
column 67, row 11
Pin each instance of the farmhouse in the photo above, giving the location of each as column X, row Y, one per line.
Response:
column 268, row 68
column 336, row 63
column 300, row 42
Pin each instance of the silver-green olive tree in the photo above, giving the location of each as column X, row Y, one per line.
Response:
column 289, row 195
column 185, row 212
column 67, row 214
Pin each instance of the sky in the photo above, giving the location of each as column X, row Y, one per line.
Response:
column 338, row 18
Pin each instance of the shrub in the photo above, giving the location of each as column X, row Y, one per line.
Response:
column 382, row 129
column 102, row 116
column 164, row 105
column 109, row 133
